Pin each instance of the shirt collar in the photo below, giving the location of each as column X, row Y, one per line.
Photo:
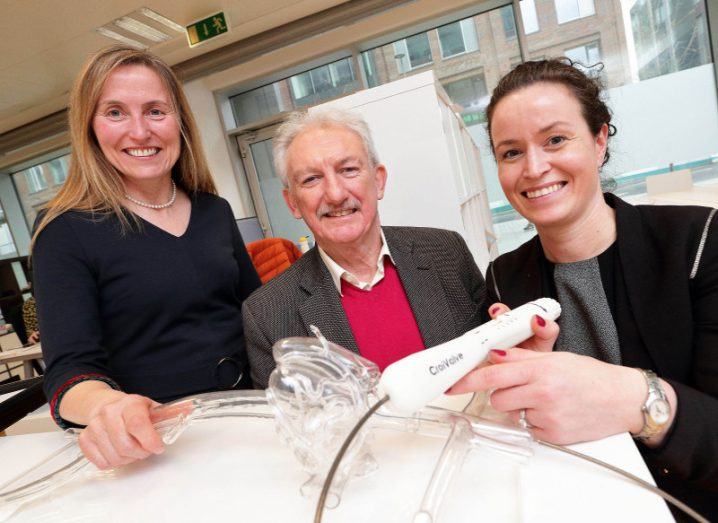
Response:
column 339, row 273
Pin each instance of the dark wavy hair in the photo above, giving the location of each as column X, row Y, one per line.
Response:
column 587, row 90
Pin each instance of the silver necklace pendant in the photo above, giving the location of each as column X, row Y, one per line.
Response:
column 156, row 205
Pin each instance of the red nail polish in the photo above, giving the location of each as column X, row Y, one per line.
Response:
column 448, row 391
column 540, row 321
column 499, row 352
column 493, row 310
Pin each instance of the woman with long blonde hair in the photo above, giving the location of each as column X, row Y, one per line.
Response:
column 140, row 271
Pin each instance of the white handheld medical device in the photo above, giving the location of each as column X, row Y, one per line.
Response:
column 414, row 381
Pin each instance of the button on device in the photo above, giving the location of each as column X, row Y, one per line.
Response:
column 227, row 373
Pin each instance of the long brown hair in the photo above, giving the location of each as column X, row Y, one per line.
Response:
column 93, row 184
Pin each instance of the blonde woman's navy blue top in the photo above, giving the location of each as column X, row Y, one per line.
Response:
column 144, row 311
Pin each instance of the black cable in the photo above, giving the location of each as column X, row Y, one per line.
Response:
column 640, row 482
column 338, row 458
column 662, row 493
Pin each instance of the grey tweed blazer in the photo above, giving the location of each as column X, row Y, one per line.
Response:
column 442, row 282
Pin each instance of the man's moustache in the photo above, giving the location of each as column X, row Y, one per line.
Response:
column 348, row 206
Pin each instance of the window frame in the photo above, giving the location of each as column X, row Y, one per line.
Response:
column 466, row 50
column 509, row 9
column 35, row 178
column 579, row 17
column 589, row 68
column 407, row 56
column 532, row 5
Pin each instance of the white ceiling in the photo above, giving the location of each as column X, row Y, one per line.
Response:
column 44, row 42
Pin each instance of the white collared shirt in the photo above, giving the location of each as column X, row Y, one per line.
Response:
column 339, row 273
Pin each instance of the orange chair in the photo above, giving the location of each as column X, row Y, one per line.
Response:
column 272, row 256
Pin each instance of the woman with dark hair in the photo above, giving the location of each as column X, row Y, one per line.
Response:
column 637, row 349
column 140, row 271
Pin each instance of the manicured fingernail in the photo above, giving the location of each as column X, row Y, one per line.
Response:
column 540, row 321
column 494, row 309
column 448, row 391
column 499, row 352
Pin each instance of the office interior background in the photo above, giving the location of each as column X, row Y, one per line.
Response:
column 654, row 56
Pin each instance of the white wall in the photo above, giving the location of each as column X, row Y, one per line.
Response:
column 216, row 146
column 671, row 118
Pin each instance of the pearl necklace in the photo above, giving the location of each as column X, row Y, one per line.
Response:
column 156, row 205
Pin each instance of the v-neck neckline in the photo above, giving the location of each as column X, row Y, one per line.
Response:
column 169, row 234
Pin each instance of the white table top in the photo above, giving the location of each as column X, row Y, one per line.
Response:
column 237, row 469
column 705, row 195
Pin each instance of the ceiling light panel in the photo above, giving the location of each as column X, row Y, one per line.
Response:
column 142, row 28
column 104, row 31
column 149, row 13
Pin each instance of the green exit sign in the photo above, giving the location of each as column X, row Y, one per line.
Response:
column 207, row 28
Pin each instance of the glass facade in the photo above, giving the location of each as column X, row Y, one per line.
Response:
column 465, row 55
column 471, row 95
column 669, row 36
column 625, row 42
column 37, row 185
column 323, row 83
column 308, row 88
column 622, row 42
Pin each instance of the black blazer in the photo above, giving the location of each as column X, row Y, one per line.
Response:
column 667, row 322
column 442, row 282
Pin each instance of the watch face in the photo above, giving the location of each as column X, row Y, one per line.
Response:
column 660, row 411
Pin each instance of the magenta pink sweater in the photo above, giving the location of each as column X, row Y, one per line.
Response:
column 381, row 319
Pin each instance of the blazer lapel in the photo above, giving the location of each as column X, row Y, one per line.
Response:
column 323, row 306
column 423, row 290
column 523, row 283
column 648, row 287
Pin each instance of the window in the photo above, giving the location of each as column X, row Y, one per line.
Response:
column 257, row 104
column 37, row 185
column 35, row 179
column 529, row 17
column 588, row 57
column 669, row 36
column 507, row 17
column 369, row 66
column 472, row 95
column 412, row 52
column 467, row 80
column 307, row 88
column 58, row 168
column 568, row 10
column 458, row 38
column 323, row 83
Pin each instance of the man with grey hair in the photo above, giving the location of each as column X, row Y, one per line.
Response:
column 383, row 292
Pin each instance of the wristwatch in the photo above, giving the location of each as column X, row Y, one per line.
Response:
column 656, row 409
